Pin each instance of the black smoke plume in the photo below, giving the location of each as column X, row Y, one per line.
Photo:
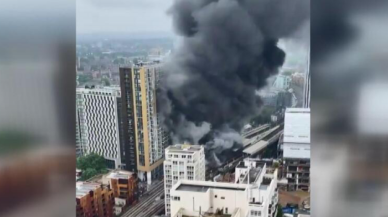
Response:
column 228, row 50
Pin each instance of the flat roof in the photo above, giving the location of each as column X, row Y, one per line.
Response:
column 296, row 151
column 183, row 148
column 83, row 188
column 205, row 188
column 120, row 175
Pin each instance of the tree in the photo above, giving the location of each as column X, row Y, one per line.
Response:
column 91, row 165
column 88, row 173
column 280, row 211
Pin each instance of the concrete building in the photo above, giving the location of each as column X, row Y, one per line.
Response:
column 183, row 162
column 254, row 193
column 138, row 85
column 94, row 200
column 99, row 127
column 296, row 148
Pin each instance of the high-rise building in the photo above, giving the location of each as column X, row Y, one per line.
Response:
column 99, row 126
column 253, row 194
column 296, row 148
column 183, row 162
column 128, row 118
column 94, row 199
column 146, row 140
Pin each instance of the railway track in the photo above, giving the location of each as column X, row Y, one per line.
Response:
column 147, row 205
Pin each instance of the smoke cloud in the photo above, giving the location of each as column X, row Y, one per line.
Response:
column 229, row 49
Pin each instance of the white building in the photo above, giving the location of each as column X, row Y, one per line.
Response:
column 254, row 194
column 99, row 125
column 296, row 148
column 183, row 162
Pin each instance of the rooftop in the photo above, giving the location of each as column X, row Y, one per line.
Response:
column 83, row 188
column 182, row 148
column 204, row 186
column 120, row 175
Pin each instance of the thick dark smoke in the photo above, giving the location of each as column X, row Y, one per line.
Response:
column 228, row 50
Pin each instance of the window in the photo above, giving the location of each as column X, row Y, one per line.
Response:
column 174, row 198
column 255, row 213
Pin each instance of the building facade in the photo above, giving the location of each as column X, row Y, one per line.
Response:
column 99, row 127
column 94, row 200
column 128, row 118
column 139, row 87
column 253, row 194
column 296, row 149
column 183, row 162
column 124, row 185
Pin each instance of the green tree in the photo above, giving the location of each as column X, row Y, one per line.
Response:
column 88, row 173
column 280, row 211
column 91, row 165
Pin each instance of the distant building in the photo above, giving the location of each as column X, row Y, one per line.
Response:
column 183, row 162
column 139, row 84
column 254, row 193
column 296, row 148
column 93, row 199
column 98, row 122
column 282, row 82
column 297, row 79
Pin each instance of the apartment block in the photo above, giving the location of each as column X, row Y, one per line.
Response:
column 183, row 162
column 100, row 129
column 139, row 84
column 253, row 194
column 124, row 185
column 296, row 149
column 94, row 200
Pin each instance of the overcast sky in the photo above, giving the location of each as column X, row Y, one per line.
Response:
column 130, row 16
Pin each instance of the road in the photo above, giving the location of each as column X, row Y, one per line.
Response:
column 147, row 205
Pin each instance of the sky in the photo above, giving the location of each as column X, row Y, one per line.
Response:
column 123, row 16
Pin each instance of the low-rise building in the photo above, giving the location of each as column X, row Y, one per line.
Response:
column 124, row 185
column 94, row 200
column 254, row 193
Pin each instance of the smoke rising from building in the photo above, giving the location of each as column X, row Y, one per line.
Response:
column 229, row 49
